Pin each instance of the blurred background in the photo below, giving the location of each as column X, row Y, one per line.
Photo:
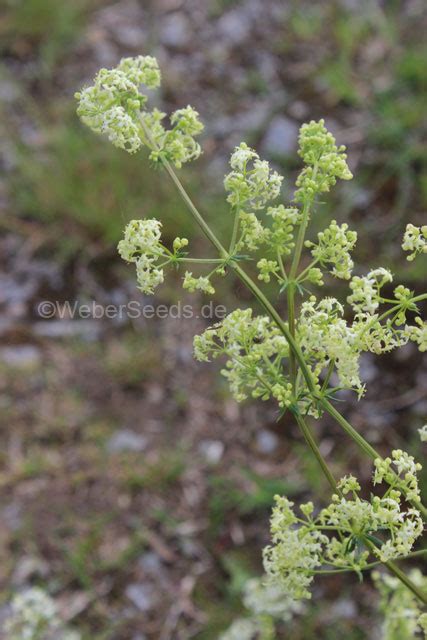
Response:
column 133, row 489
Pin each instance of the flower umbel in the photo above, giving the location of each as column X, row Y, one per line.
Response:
column 347, row 532
column 415, row 240
column 116, row 105
column 251, row 183
column 325, row 162
column 142, row 245
column 333, row 248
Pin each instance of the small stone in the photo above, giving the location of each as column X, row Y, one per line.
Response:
column 24, row 356
column 420, row 409
column 281, row 137
column 140, row 595
column 175, row 31
column 211, row 450
column 131, row 36
column 405, row 353
column 27, row 568
column 11, row 516
column 150, row 562
column 126, row 440
column 88, row 330
column 344, row 608
column 266, row 441
column 234, row 26
column 5, row 612
column 368, row 368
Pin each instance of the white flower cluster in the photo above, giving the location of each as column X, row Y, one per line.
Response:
column 347, row 532
column 295, row 552
column 403, row 617
column 114, row 105
column 418, row 334
column 284, row 220
column 121, row 129
column 423, row 433
column 255, row 348
column 267, row 604
column 257, row 352
column 415, row 240
column 400, row 472
column 34, row 616
column 366, row 290
column 141, row 244
column 333, row 248
column 242, row 629
column 325, row 161
column 262, row 598
column 267, row 268
column 325, row 336
column 279, row 239
column 253, row 233
column 176, row 145
column 201, row 283
column 251, row 183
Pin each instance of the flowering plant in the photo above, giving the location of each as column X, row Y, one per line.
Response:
column 300, row 362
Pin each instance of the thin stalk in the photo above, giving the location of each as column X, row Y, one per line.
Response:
column 235, row 229
column 328, row 375
column 305, row 430
column 290, row 296
column 195, row 212
column 201, row 260
column 393, row 568
column 281, row 265
column 307, row 269
column 351, row 431
column 300, row 237
column 291, row 284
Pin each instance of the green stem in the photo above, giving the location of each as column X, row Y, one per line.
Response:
column 355, row 435
column 281, row 265
column 201, row 260
column 303, row 273
column 315, row 450
column 291, row 284
column 300, row 238
column 328, row 376
column 195, row 212
column 290, row 296
column 393, row 568
column 235, row 229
